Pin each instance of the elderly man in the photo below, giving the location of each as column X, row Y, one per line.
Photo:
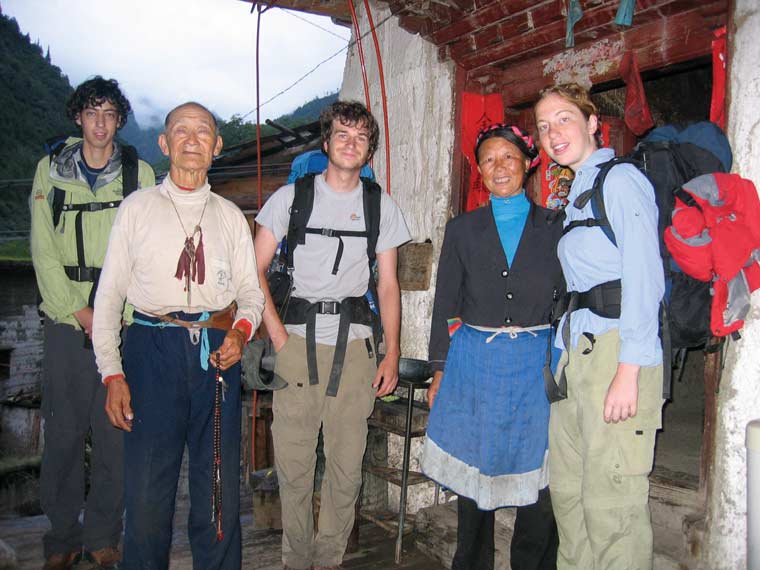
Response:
column 182, row 256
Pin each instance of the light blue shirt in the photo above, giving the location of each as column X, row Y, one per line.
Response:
column 589, row 258
column 510, row 214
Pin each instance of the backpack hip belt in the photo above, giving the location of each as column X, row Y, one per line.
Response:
column 603, row 300
column 82, row 274
column 354, row 310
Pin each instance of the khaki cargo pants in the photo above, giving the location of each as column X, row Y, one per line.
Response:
column 299, row 411
column 599, row 472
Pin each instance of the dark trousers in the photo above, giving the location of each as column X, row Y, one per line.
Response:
column 173, row 404
column 534, row 543
column 73, row 404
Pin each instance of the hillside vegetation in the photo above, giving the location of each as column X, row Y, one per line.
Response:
column 33, row 95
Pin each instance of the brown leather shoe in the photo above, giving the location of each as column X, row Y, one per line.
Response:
column 62, row 560
column 108, row 558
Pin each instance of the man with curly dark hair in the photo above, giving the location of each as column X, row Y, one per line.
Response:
column 326, row 340
column 76, row 191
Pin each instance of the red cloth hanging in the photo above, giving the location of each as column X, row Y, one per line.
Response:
column 718, row 101
column 638, row 118
column 478, row 111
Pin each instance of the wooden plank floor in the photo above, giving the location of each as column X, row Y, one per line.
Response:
column 261, row 547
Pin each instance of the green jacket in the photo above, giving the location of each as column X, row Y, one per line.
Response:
column 56, row 247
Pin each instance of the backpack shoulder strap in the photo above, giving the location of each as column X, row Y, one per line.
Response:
column 596, row 196
column 129, row 169
column 371, row 197
column 300, row 211
column 54, row 146
column 59, row 198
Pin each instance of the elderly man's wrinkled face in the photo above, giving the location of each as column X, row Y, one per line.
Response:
column 190, row 139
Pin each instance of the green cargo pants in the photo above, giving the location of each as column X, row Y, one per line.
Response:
column 599, row 472
column 299, row 411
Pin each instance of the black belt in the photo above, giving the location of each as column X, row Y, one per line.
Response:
column 351, row 310
column 603, row 300
column 82, row 274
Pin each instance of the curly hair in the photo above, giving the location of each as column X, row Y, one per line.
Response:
column 353, row 114
column 96, row 91
column 579, row 96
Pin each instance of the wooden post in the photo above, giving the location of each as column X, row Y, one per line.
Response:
column 713, row 358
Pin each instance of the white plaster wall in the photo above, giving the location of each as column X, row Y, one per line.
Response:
column 420, row 115
column 739, row 397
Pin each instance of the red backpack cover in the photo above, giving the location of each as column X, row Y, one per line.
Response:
column 715, row 236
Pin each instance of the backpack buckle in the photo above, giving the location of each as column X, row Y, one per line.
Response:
column 328, row 232
column 328, row 307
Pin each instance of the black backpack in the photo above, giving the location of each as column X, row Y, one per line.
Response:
column 279, row 276
column 129, row 174
column 668, row 164
column 259, row 357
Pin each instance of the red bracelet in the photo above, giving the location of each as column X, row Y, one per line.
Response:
column 108, row 379
column 245, row 327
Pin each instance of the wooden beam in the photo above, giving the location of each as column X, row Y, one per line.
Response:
column 415, row 24
column 476, row 20
column 670, row 40
column 545, row 28
column 511, row 36
column 458, row 163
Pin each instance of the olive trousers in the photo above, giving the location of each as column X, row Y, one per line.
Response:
column 299, row 411
column 599, row 472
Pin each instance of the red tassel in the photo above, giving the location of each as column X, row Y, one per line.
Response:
column 183, row 263
column 195, row 266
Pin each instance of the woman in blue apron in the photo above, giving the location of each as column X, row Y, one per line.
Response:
column 498, row 277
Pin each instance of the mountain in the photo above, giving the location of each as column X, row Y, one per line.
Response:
column 33, row 95
column 310, row 111
column 145, row 140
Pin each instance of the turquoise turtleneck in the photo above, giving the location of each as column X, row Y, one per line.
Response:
column 510, row 215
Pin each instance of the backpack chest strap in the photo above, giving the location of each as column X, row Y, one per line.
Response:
column 340, row 234
column 90, row 206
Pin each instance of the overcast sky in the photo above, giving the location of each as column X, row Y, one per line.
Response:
column 164, row 52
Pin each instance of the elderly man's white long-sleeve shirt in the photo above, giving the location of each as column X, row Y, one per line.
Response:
column 143, row 250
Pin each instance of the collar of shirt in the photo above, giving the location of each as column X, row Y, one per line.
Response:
column 180, row 196
column 588, row 170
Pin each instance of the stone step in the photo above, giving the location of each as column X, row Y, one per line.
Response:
column 394, row 475
column 436, row 533
column 391, row 417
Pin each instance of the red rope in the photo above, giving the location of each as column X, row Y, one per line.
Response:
column 383, row 98
column 258, row 115
column 358, row 34
column 260, row 198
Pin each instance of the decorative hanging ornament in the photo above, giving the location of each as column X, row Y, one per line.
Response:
column 191, row 265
